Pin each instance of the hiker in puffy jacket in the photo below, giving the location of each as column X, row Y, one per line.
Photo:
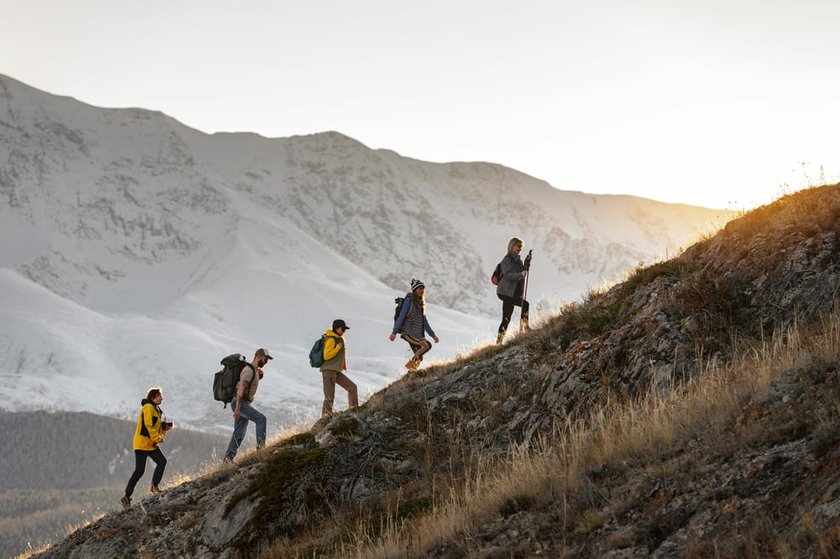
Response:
column 243, row 411
column 412, row 324
column 511, row 286
column 332, row 370
column 148, row 435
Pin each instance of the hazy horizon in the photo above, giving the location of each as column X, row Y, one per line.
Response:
column 713, row 104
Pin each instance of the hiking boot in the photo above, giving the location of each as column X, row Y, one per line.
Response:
column 500, row 338
column 125, row 502
column 525, row 325
column 412, row 364
column 154, row 490
column 227, row 460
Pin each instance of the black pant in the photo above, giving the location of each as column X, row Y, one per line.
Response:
column 140, row 468
column 507, row 310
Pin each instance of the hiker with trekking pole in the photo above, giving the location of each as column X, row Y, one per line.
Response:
column 511, row 278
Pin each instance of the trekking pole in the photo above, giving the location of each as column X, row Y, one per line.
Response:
column 522, row 316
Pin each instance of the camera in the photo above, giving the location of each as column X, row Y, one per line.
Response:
column 166, row 425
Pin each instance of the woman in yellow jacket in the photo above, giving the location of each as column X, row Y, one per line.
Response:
column 151, row 428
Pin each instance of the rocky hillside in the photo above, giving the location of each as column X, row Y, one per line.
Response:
column 558, row 443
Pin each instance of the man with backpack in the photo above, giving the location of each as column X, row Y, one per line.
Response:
column 243, row 411
column 333, row 367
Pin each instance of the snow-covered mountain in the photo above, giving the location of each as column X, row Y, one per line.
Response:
column 136, row 251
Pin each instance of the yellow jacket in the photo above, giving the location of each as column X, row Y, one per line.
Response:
column 148, row 434
column 334, row 357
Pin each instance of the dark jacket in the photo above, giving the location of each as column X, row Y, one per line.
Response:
column 511, row 283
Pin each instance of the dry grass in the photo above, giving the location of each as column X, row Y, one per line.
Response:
column 809, row 210
column 614, row 434
column 244, row 457
column 32, row 551
column 479, row 352
column 68, row 530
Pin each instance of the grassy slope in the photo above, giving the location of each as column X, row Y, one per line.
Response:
column 561, row 482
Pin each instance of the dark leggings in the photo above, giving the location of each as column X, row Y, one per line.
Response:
column 140, row 468
column 507, row 310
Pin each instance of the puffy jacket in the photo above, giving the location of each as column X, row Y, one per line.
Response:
column 334, row 353
column 148, row 434
column 409, row 323
column 511, row 282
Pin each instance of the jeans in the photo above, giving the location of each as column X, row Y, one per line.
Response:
column 140, row 468
column 246, row 413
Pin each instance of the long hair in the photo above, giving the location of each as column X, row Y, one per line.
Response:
column 419, row 301
column 513, row 242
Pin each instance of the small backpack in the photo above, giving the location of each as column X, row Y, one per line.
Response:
column 225, row 381
column 399, row 302
column 497, row 274
column 316, row 354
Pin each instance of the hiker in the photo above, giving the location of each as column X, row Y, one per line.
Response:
column 243, row 411
column 335, row 363
column 412, row 324
column 151, row 429
column 511, row 286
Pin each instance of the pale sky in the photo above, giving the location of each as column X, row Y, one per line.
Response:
column 721, row 103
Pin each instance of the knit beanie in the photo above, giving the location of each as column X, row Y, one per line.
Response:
column 415, row 284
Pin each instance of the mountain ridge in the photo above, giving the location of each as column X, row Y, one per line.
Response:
column 180, row 247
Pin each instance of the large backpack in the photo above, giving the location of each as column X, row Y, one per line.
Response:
column 497, row 274
column 316, row 354
column 225, row 381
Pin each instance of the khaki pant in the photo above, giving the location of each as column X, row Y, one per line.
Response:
column 331, row 378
